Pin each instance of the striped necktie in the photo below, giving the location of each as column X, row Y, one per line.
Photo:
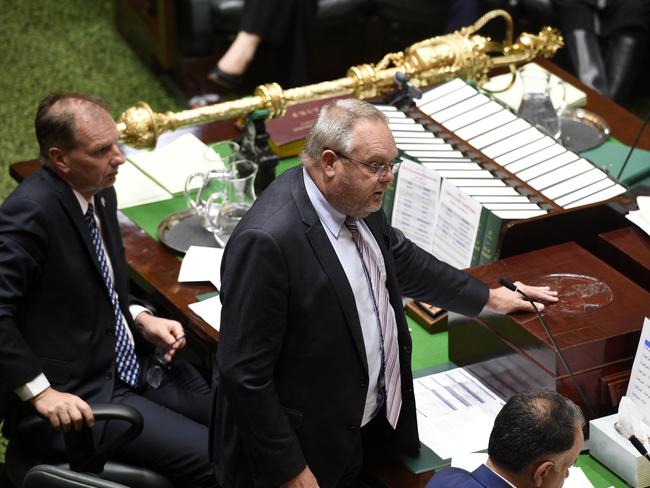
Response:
column 388, row 326
column 128, row 368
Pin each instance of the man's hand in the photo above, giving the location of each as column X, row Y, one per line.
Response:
column 502, row 300
column 161, row 331
column 305, row 479
column 63, row 409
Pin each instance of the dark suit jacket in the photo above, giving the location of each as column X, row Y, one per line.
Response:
column 481, row 477
column 292, row 369
column 56, row 317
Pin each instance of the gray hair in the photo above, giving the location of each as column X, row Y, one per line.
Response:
column 334, row 125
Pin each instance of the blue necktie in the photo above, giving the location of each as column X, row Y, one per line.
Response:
column 387, row 322
column 128, row 368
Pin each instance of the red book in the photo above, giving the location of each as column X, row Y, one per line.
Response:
column 288, row 133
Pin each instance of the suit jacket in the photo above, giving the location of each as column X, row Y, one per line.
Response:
column 56, row 316
column 481, row 477
column 291, row 368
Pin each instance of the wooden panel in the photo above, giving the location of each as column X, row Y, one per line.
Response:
column 598, row 337
column 627, row 250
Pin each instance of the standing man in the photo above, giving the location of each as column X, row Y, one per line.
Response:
column 66, row 329
column 314, row 350
column 536, row 438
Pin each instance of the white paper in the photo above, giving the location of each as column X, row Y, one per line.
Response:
column 416, row 203
column 171, row 165
column 456, row 226
column 202, row 264
column 638, row 389
column 209, row 310
column 133, row 188
column 455, row 412
column 641, row 217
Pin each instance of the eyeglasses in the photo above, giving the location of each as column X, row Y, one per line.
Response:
column 378, row 169
column 160, row 365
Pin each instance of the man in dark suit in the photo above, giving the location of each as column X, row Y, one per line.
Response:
column 67, row 329
column 536, row 438
column 314, row 352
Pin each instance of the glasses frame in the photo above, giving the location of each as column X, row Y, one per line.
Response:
column 159, row 366
column 379, row 170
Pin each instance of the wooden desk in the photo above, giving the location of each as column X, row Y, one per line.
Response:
column 627, row 250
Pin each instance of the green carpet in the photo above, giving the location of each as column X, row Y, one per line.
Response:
column 64, row 45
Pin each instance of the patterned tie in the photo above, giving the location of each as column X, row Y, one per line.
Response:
column 386, row 318
column 128, row 368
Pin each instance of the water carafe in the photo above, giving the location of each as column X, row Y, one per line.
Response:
column 539, row 92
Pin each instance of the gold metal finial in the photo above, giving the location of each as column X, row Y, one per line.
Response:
column 463, row 54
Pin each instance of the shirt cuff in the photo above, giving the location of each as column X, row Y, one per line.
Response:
column 136, row 310
column 31, row 389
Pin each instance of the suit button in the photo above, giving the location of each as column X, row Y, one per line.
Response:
column 352, row 427
column 364, row 384
column 109, row 331
column 109, row 375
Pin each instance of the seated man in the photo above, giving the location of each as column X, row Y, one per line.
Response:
column 535, row 439
column 66, row 328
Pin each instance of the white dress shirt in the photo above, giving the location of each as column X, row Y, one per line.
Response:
column 346, row 250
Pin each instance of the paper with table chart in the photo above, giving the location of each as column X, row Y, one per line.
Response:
column 455, row 412
column 416, row 203
column 133, row 188
column 435, row 214
column 638, row 389
column 469, row 462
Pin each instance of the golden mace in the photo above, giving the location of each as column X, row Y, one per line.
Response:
column 459, row 54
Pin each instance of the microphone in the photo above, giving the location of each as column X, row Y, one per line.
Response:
column 511, row 286
column 638, row 445
column 636, row 141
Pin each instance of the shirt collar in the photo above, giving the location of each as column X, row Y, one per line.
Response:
column 331, row 218
column 83, row 203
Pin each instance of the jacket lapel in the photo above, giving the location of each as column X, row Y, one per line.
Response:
column 71, row 206
column 328, row 260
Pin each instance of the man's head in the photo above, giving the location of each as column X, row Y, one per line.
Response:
column 78, row 140
column 348, row 153
column 536, row 438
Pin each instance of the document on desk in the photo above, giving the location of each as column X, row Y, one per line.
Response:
column 171, row 165
column 133, row 187
column 638, row 388
column 416, row 201
column 201, row 264
column 209, row 310
column 455, row 412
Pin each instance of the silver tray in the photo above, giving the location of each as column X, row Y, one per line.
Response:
column 582, row 129
column 183, row 229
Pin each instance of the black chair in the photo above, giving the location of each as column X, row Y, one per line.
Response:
column 88, row 466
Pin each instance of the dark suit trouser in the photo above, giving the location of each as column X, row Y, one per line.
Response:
column 174, row 440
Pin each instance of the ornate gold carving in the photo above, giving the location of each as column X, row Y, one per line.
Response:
column 461, row 54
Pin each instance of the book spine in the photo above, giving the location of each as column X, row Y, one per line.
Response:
column 490, row 244
column 480, row 232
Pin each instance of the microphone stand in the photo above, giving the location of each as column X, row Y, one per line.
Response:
column 586, row 402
